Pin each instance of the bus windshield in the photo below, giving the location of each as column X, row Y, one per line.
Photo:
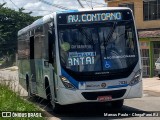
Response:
column 98, row 47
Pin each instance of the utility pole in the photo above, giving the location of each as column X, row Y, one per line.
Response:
column 80, row 3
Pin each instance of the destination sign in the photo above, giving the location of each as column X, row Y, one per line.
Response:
column 95, row 17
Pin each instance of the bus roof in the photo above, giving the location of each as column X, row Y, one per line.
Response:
column 94, row 9
column 104, row 8
column 48, row 18
column 43, row 20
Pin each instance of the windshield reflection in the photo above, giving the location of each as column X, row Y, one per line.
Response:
column 98, row 48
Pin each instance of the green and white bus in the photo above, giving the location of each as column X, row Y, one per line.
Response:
column 86, row 55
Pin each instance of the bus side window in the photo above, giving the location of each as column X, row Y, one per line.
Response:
column 39, row 43
column 23, row 47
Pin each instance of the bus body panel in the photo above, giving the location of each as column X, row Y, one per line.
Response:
column 75, row 96
column 23, row 70
column 135, row 91
column 42, row 71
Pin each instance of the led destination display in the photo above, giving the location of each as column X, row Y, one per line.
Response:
column 95, row 17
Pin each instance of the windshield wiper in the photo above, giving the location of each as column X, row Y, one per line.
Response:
column 109, row 35
column 105, row 41
column 83, row 32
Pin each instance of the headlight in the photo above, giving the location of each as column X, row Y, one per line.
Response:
column 66, row 83
column 136, row 78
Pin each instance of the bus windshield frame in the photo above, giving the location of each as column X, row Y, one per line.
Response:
column 93, row 58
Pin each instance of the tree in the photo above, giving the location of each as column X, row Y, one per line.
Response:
column 11, row 22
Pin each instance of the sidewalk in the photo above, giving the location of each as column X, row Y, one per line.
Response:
column 151, row 84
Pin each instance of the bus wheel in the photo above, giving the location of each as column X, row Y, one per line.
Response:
column 117, row 104
column 56, row 107
column 159, row 75
column 48, row 91
column 28, row 87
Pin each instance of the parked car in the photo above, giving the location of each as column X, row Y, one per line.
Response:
column 157, row 64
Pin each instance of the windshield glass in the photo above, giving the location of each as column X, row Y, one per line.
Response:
column 98, row 47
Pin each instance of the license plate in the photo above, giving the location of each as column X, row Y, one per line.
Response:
column 104, row 98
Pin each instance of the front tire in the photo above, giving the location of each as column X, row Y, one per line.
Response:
column 56, row 107
column 48, row 91
column 28, row 87
column 159, row 75
column 118, row 104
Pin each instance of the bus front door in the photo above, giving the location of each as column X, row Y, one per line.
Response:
column 32, row 67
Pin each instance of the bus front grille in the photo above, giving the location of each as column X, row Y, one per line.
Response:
column 93, row 95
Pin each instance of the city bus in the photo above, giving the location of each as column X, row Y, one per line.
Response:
column 85, row 55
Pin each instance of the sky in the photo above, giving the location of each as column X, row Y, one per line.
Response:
column 40, row 9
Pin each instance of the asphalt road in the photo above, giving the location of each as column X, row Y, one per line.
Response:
column 149, row 102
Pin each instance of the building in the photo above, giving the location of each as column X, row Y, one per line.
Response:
column 147, row 17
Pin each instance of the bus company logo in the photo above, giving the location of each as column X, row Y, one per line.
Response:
column 103, row 85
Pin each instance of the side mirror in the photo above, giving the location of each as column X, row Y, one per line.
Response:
column 51, row 47
column 46, row 63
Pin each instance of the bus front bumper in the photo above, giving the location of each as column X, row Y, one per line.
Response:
column 66, row 96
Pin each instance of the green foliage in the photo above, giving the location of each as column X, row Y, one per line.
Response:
column 144, row 39
column 11, row 22
column 10, row 101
